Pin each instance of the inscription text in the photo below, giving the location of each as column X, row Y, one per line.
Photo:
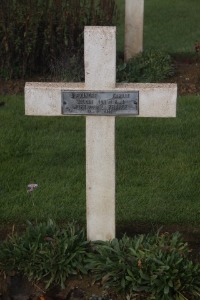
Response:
column 100, row 103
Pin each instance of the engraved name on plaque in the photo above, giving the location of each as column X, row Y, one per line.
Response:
column 115, row 103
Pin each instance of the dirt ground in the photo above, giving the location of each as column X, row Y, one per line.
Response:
column 187, row 76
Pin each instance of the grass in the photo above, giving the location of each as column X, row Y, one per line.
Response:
column 157, row 166
column 168, row 25
column 159, row 181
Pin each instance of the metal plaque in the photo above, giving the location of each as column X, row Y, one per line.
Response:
column 110, row 103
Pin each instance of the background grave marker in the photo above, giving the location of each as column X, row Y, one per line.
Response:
column 134, row 19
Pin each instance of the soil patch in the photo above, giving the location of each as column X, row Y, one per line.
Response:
column 187, row 76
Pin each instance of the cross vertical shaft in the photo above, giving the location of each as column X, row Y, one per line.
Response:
column 100, row 74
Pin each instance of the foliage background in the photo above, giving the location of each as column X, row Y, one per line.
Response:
column 35, row 34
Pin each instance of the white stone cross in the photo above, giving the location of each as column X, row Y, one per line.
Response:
column 134, row 20
column 155, row 100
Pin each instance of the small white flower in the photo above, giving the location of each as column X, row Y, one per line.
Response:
column 31, row 187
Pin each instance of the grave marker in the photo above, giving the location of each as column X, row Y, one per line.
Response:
column 100, row 99
column 134, row 19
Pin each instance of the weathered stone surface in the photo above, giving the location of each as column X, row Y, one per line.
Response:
column 100, row 57
column 44, row 99
column 155, row 100
column 134, row 19
column 100, row 177
column 100, row 74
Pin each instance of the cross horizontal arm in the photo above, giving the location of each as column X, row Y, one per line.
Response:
column 155, row 100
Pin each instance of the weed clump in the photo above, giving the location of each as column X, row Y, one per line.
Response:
column 153, row 266
column 148, row 66
column 46, row 252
